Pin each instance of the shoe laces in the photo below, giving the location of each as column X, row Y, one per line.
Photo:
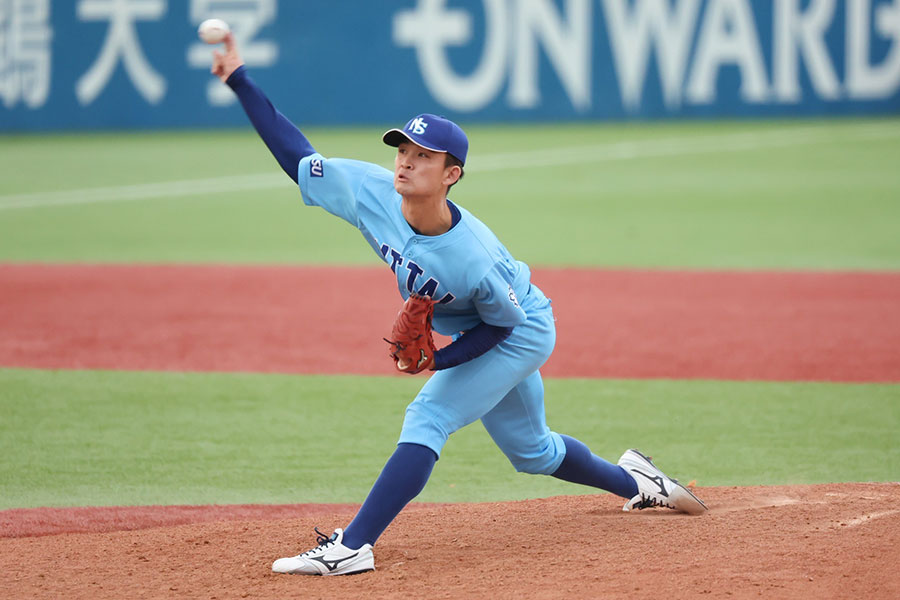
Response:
column 324, row 541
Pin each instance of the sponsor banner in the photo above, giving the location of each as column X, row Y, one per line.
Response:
column 86, row 64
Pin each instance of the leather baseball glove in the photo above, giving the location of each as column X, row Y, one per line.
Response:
column 412, row 346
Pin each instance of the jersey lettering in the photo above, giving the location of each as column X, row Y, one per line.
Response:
column 398, row 260
column 414, row 271
column 429, row 288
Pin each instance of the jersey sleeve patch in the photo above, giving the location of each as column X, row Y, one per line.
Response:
column 496, row 301
column 512, row 297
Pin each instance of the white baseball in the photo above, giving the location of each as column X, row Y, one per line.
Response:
column 212, row 31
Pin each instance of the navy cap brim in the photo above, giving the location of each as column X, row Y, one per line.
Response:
column 395, row 137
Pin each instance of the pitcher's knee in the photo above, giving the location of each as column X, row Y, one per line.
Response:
column 530, row 465
column 545, row 462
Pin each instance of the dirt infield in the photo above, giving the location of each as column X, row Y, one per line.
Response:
column 631, row 324
column 822, row 541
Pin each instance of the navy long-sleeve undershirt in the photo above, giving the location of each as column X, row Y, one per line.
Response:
column 284, row 140
column 288, row 145
column 469, row 345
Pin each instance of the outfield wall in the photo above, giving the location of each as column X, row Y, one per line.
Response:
column 86, row 64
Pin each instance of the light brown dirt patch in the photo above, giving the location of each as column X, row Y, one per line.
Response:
column 821, row 541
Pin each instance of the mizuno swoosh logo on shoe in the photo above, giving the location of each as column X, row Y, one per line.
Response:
column 331, row 565
column 658, row 480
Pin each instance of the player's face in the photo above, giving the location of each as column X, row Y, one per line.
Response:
column 419, row 171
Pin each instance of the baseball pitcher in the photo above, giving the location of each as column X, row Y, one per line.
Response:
column 456, row 277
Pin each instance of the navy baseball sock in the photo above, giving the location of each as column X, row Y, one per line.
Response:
column 403, row 477
column 582, row 466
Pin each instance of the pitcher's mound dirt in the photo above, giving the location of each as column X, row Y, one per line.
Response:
column 820, row 541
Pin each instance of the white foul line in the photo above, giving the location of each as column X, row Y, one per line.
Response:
column 569, row 155
column 145, row 191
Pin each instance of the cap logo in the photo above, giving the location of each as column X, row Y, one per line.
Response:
column 417, row 126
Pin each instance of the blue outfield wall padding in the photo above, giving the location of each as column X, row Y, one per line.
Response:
column 98, row 64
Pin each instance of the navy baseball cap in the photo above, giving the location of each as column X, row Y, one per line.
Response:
column 433, row 132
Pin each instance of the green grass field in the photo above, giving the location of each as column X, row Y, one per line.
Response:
column 105, row 438
column 749, row 195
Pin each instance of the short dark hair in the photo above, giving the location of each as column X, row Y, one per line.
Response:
column 452, row 161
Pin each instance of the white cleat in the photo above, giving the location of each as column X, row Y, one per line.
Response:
column 656, row 489
column 330, row 557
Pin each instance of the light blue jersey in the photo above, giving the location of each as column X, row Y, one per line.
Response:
column 472, row 278
column 467, row 271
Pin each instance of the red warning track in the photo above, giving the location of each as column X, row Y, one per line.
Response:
column 628, row 324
